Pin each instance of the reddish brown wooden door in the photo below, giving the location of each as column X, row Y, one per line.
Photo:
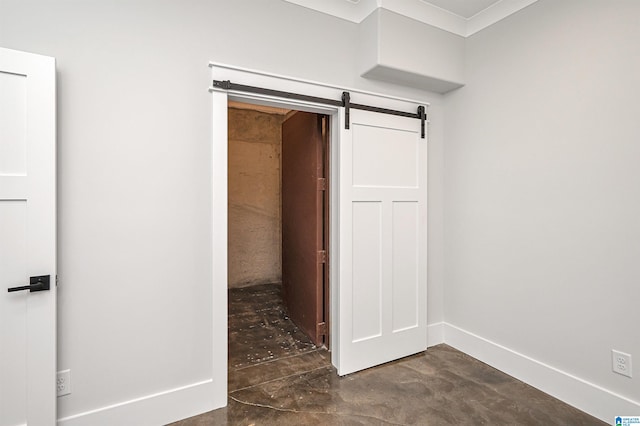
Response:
column 303, row 255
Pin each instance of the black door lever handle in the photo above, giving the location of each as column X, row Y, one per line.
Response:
column 38, row 283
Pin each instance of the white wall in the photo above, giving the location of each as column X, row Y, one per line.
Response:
column 134, row 118
column 400, row 49
column 542, row 205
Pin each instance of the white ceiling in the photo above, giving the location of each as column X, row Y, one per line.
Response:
column 463, row 8
column 461, row 17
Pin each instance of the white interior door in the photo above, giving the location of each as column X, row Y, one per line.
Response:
column 383, row 241
column 27, row 239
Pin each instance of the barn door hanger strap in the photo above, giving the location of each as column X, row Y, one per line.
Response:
column 344, row 102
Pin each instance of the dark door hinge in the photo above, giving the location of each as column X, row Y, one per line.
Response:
column 322, row 184
column 321, row 329
column 322, row 256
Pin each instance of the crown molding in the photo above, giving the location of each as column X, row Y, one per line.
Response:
column 494, row 13
column 350, row 10
column 420, row 10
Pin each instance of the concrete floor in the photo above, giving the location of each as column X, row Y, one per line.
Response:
column 278, row 377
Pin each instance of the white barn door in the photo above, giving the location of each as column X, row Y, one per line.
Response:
column 27, row 239
column 383, row 241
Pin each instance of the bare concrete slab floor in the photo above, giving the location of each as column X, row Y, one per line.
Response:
column 277, row 377
column 264, row 344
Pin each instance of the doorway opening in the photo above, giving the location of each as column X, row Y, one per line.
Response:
column 278, row 242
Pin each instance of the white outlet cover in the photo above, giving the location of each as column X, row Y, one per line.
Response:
column 621, row 363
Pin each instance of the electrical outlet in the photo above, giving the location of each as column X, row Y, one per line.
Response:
column 63, row 382
column 621, row 363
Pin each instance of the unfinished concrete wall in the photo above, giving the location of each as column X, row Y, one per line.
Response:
column 255, row 232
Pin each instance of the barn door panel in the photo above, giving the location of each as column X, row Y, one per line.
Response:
column 383, row 236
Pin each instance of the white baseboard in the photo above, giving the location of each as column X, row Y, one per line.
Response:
column 585, row 396
column 157, row 409
column 180, row 403
column 435, row 334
